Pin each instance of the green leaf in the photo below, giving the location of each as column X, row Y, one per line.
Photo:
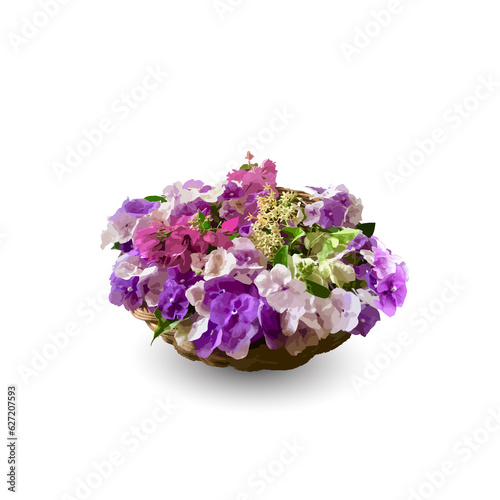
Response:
column 332, row 230
column 164, row 325
column 317, row 290
column 282, row 256
column 246, row 167
column 214, row 210
column 116, row 246
column 155, row 198
column 314, row 241
column 294, row 232
column 346, row 235
column 329, row 247
column 368, row 228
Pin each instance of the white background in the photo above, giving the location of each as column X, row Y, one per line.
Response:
column 229, row 72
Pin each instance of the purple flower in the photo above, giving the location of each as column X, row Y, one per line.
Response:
column 139, row 207
column 185, row 279
column 218, row 286
column 362, row 242
column 191, row 208
column 235, row 315
column 233, row 322
column 367, row 319
column 332, row 214
column 206, row 343
column 270, row 321
column 317, row 190
column 126, row 247
column 343, row 198
column 232, row 191
column 193, row 184
column 312, row 213
column 173, row 302
column 127, row 293
column 391, row 292
column 249, row 261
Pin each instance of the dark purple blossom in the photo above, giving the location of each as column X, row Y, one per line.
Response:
column 172, row 301
column 232, row 192
column 270, row 321
column 185, row 279
column 332, row 214
column 191, row 208
column 126, row 247
column 367, row 319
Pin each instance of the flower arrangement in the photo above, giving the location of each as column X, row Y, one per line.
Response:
column 248, row 274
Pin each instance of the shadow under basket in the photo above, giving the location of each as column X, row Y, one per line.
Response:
column 259, row 357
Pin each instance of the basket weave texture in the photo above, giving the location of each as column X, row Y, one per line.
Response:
column 259, row 357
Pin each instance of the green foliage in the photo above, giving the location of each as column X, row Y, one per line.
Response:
column 294, row 232
column 155, row 198
column 318, row 290
column 367, row 228
column 164, row 325
column 281, row 256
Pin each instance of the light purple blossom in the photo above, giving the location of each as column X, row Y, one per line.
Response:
column 127, row 293
column 391, row 292
column 249, row 261
column 312, row 213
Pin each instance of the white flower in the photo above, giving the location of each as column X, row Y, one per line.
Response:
column 195, row 294
column 213, row 195
column 119, row 230
column 200, row 326
column 285, row 295
column 219, row 263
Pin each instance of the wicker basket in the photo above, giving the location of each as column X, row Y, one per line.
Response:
column 260, row 357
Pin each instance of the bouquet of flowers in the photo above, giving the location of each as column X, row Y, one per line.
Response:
column 249, row 274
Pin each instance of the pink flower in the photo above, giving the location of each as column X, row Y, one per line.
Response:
column 169, row 246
